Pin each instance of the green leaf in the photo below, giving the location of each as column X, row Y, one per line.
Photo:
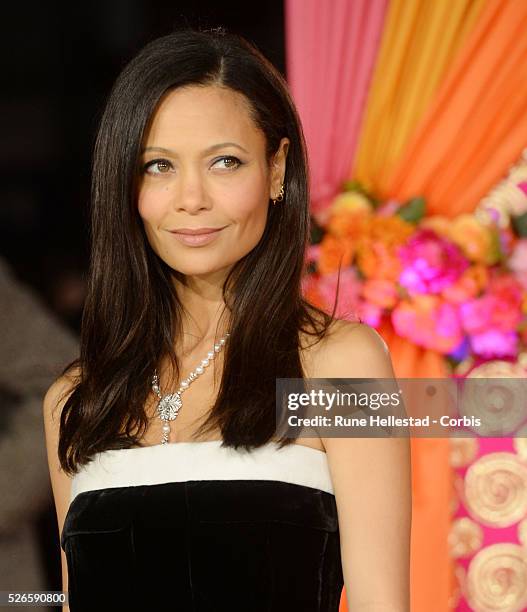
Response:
column 519, row 224
column 413, row 210
column 354, row 185
column 496, row 253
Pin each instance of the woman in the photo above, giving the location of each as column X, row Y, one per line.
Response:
column 200, row 222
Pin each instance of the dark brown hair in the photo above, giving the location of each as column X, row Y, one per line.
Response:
column 132, row 313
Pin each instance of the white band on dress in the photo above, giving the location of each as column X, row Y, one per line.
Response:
column 186, row 461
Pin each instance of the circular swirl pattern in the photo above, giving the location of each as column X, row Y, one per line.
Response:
column 496, row 397
column 496, row 489
column 497, row 579
column 498, row 369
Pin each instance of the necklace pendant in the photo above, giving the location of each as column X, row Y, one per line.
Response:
column 166, row 433
column 169, row 406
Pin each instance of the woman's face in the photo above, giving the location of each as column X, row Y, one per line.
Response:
column 204, row 167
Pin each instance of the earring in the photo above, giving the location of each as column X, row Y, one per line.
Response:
column 280, row 195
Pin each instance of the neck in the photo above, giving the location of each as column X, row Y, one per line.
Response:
column 204, row 314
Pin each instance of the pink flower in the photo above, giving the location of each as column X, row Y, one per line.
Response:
column 349, row 292
column 506, row 240
column 522, row 278
column 499, row 309
column 428, row 321
column 430, row 262
column 476, row 314
column 313, row 252
column 369, row 313
column 508, row 295
column 494, row 343
column 518, row 261
column 468, row 285
column 381, row 292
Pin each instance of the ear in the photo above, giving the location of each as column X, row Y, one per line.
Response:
column 278, row 163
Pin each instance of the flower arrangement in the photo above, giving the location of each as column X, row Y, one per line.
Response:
column 457, row 286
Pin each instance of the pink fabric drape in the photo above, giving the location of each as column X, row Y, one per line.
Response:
column 331, row 48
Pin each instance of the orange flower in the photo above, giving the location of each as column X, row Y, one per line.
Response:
column 438, row 223
column 376, row 251
column 427, row 320
column 468, row 285
column 377, row 260
column 349, row 224
column 380, row 292
column 392, row 231
column 480, row 274
column 476, row 240
column 332, row 250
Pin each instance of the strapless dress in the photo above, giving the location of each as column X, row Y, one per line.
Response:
column 198, row 527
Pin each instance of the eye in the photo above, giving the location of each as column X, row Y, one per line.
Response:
column 231, row 162
column 162, row 166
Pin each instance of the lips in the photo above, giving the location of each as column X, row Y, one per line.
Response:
column 196, row 232
column 197, row 237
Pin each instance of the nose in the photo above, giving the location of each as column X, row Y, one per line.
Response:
column 191, row 195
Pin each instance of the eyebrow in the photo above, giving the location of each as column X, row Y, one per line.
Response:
column 220, row 145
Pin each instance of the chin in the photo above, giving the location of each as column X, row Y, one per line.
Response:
column 201, row 270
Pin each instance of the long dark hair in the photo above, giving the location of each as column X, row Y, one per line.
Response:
column 132, row 313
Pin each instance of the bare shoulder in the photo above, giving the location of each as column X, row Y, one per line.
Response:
column 350, row 350
column 354, row 350
column 371, row 479
column 52, row 406
column 58, row 393
column 359, row 333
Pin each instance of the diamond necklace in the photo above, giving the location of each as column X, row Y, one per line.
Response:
column 170, row 404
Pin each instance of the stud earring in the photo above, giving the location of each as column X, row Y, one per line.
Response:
column 280, row 195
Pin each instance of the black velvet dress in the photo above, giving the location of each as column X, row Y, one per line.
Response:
column 197, row 527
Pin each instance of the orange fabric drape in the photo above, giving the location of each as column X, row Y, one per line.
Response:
column 430, row 575
column 477, row 122
column 419, row 41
